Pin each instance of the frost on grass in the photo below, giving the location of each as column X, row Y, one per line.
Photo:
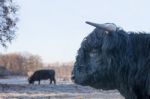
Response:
column 18, row 87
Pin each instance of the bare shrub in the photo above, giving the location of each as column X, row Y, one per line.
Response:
column 63, row 70
column 21, row 64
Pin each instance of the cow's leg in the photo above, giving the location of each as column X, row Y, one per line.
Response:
column 54, row 81
column 50, row 81
column 39, row 82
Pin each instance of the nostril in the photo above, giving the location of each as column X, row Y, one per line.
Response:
column 73, row 77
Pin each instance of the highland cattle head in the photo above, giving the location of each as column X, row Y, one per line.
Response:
column 96, row 56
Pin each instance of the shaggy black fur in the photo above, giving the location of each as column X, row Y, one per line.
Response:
column 42, row 75
column 117, row 60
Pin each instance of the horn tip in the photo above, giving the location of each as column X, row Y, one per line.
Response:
column 87, row 22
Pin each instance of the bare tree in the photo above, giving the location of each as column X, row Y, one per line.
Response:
column 8, row 19
column 21, row 64
column 63, row 70
column 33, row 63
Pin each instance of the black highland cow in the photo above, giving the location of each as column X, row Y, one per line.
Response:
column 42, row 75
column 111, row 58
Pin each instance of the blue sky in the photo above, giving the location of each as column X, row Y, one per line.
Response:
column 54, row 29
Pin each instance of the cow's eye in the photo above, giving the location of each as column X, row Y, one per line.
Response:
column 93, row 53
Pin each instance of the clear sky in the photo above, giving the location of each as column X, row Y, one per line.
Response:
column 54, row 29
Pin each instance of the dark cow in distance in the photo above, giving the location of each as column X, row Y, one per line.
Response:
column 111, row 58
column 42, row 75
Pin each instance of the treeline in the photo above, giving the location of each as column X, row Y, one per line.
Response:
column 20, row 63
column 63, row 70
column 25, row 64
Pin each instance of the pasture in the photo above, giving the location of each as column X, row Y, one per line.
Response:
column 18, row 88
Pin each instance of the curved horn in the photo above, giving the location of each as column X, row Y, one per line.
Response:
column 107, row 26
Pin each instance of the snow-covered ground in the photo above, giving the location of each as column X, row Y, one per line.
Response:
column 18, row 88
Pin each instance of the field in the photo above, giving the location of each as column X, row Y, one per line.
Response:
column 18, row 88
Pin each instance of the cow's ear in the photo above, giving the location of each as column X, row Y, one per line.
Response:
column 108, row 27
column 108, row 32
